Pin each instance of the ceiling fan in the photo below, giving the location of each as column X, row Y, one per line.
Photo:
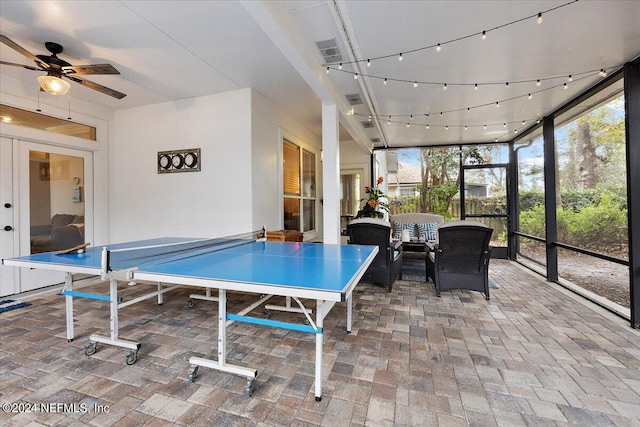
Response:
column 57, row 68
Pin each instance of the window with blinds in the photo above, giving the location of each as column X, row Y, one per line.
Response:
column 299, row 187
column 291, row 168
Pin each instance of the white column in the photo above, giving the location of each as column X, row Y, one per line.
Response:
column 330, row 174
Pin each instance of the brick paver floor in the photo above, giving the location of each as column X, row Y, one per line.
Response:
column 533, row 355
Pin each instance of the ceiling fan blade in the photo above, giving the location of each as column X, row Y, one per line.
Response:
column 96, row 86
column 91, row 69
column 13, row 45
column 28, row 67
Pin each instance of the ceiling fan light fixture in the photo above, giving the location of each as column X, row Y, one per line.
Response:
column 54, row 85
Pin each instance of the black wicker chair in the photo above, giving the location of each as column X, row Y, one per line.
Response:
column 387, row 264
column 460, row 259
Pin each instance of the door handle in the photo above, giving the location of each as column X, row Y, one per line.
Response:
column 8, row 228
column 7, row 205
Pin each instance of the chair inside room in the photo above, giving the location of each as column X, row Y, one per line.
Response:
column 387, row 265
column 460, row 259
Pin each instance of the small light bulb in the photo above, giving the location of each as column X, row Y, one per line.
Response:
column 538, row 82
column 566, row 86
column 465, row 127
column 408, row 125
column 497, row 104
column 530, row 96
column 368, row 63
column 484, row 35
column 523, row 123
column 415, row 84
column 570, row 78
column 540, row 18
column 496, row 139
column 355, row 76
column 515, row 131
column 385, row 82
column 370, row 118
column 484, row 127
column 438, row 48
column 426, row 127
column 603, row 73
column 504, row 125
column 507, row 84
column 411, row 117
column 400, row 57
column 444, row 87
column 327, row 70
column 446, row 128
column 475, row 87
column 389, row 122
column 340, row 66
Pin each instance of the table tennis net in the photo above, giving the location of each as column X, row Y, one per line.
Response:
column 120, row 259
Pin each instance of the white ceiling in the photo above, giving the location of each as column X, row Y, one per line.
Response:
column 169, row 50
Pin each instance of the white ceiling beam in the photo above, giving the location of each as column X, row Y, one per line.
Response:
column 272, row 17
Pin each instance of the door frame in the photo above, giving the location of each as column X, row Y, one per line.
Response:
column 501, row 252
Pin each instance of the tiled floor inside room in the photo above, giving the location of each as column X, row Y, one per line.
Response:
column 531, row 356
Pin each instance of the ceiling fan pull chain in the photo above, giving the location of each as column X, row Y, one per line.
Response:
column 69, row 115
column 38, row 109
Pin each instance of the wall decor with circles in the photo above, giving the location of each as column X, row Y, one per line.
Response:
column 187, row 160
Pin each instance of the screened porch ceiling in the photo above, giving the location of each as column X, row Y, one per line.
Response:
column 173, row 50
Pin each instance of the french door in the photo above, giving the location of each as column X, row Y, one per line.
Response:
column 50, row 187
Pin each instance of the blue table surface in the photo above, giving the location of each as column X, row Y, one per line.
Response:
column 301, row 265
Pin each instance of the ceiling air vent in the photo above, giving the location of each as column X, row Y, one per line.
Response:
column 330, row 51
column 375, row 140
column 367, row 125
column 354, row 99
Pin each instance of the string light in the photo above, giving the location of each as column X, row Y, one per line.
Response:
column 570, row 78
column 475, row 86
column 408, row 125
column 328, row 70
column 415, row 84
column 368, row 63
column 446, row 128
column 340, row 66
column 483, row 34
column 355, row 76
column 426, row 127
column 484, row 127
column 385, row 82
column 538, row 82
column 389, row 122
column 466, row 127
column 444, row 87
column 566, row 86
column 603, row 73
column 507, row 84
column 497, row 103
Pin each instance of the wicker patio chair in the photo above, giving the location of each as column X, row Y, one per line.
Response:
column 460, row 259
column 387, row 264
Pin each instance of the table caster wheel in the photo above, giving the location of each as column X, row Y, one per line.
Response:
column 191, row 303
column 192, row 373
column 248, row 389
column 131, row 358
column 91, row 349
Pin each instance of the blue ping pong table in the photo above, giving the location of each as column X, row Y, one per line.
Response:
column 299, row 271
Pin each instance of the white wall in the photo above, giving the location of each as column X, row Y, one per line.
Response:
column 268, row 125
column 213, row 202
column 353, row 156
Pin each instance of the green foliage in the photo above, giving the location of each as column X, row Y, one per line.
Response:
column 599, row 224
